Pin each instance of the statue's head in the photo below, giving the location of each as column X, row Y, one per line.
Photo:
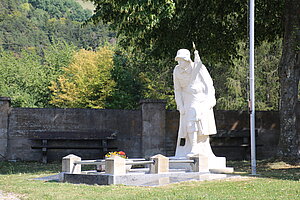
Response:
column 183, row 54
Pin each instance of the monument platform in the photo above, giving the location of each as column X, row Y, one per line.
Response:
column 157, row 171
column 140, row 179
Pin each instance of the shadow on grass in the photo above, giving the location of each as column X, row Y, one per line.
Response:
column 33, row 167
column 270, row 168
column 28, row 167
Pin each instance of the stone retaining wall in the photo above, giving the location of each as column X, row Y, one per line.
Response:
column 141, row 133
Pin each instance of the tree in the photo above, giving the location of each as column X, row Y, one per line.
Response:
column 289, row 144
column 232, row 85
column 23, row 78
column 86, row 82
column 68, row 9
column 159, row 28
column 26, row 76
column 40, row 23
column 126, row 92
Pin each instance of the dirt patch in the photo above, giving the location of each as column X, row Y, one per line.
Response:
column 9, row 196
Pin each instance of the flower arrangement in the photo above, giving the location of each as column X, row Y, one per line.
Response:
column 116, row 153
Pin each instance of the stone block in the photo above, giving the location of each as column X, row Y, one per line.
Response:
column 226, row 170
column 216, row 162
column 201, row 163
column 161, row 164
column 210, row 164
column 115, row 165
column 68, row 164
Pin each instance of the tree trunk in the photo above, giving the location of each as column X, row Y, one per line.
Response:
column 289, row 80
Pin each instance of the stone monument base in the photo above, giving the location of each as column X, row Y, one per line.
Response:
column 209, row 164
column 159, row 172
column 141, row 179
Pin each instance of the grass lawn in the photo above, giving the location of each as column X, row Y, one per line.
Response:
column 277, row 180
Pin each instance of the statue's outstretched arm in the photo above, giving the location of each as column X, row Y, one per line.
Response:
column 197, row 60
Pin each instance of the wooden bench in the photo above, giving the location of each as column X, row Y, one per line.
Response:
column 41, row 140
column 233, row 139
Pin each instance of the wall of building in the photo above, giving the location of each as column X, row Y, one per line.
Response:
column 141, row 133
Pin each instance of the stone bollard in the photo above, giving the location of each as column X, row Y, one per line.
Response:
column 200, row 163
column 161, row 164
column 115, row 165
column 68, row 164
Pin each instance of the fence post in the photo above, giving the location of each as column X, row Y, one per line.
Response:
column 4, row 114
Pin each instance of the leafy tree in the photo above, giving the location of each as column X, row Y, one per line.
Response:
column 88, row 37
column 152, row 31
column 163, row 26
column 68, row 9
column 235, row 94
column 289, row 72
column 25, row 77
column 38, row 23
column 58, row 56
column 167, row 25
column 86, row 82
column 128, row 87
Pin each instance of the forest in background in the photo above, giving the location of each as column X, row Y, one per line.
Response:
column 38, row 39
column 50, row 56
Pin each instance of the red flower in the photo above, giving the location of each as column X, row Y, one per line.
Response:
column 121, row 153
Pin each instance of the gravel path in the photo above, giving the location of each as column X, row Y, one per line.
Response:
column 8, row 196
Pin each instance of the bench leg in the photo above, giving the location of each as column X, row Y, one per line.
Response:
column 104, row 145
column 44, row 151
column 245, row 152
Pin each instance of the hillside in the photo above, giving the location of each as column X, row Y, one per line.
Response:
column 38, row 39
column 86, row 4
column 38, row 23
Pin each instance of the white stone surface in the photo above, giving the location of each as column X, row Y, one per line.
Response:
column 216, row 162
column 226, row 170
column 195, row 99
column 201, row 163
column 68, row 164
column 115, row 165
column 161, row 164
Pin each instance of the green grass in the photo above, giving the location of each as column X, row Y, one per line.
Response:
column 277, row 180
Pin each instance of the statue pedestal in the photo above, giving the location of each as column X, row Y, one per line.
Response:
column 210, row 164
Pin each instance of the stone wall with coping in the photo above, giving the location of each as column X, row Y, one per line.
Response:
column 22, row 121
column 267, row 125
column 141, row 133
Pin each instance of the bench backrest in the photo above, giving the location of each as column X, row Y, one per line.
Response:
column 74, row 135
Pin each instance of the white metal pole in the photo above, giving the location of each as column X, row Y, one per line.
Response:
column 252, row 90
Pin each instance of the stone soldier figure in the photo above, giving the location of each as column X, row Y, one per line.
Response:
column 195, row 99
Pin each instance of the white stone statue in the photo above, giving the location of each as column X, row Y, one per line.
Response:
column 195, row 99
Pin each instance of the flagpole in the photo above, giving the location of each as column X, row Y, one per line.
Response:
column 252, row 90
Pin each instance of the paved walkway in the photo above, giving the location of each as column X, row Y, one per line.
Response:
column 8, row 196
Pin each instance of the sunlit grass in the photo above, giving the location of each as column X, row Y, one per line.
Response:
column 276, row 180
